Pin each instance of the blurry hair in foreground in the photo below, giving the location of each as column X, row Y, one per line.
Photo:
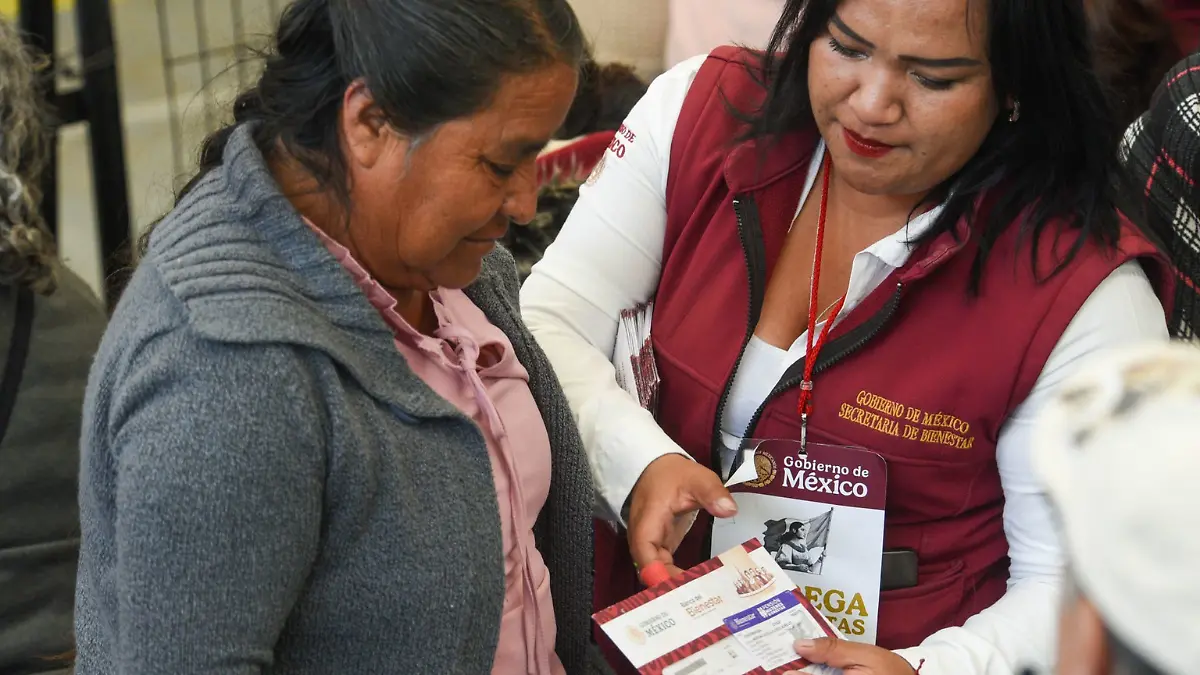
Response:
column 1161, row 156
column 27, row 251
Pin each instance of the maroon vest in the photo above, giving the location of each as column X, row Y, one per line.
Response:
column 921, row 372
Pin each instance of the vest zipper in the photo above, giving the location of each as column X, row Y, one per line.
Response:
column 835, row 351
column 754, row 251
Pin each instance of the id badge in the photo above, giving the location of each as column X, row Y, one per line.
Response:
column 820, row 515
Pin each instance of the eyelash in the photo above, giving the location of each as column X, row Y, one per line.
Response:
column 501, row 170
column 844, row 50
column 928, row 83
column 935, row 85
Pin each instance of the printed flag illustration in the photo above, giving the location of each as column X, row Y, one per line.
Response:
column 799, row 545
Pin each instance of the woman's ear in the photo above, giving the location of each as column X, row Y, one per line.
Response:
column 1012, row 108
column 366, row 134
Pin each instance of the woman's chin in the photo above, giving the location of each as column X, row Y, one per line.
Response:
column 480, row 247
column 459, row 273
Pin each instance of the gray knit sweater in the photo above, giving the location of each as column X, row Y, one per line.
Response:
column 266, row 487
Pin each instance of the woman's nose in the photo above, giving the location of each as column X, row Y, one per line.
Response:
column 876, row 102
column 521, row 204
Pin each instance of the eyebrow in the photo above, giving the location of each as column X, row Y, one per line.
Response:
column 954, row 62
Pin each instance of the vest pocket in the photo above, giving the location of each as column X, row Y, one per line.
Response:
column 909, row 615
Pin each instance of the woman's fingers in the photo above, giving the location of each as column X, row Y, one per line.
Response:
column 663, row 503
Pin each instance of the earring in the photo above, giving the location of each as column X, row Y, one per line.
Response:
column 1015, row 113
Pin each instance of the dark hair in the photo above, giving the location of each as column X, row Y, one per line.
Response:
column 607, row 93
column 425, row 62
column 1057, row 161
column 1135, row 46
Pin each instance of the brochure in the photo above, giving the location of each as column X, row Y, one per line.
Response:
column 734, row 614
column 633, row 356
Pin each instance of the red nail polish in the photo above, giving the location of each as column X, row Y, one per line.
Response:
column 654, row 574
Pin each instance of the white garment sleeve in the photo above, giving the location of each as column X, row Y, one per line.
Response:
column 607, row 258
column 1019, row 631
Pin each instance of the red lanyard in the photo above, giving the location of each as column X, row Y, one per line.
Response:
column 805, row 405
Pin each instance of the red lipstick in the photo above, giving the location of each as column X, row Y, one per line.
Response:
column 865, row 147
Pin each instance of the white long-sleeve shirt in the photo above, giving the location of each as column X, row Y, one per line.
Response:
column 608, row 257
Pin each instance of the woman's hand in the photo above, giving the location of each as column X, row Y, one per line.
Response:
column 853, row 657
column 661, row 505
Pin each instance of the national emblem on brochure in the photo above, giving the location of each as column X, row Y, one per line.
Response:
column 735, row 614
column 819, row 515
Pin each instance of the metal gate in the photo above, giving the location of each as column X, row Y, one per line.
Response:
column 206, row 61
column 91, row 99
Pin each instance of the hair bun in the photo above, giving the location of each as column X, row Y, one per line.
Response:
column 306, row 29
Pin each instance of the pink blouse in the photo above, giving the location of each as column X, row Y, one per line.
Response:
column 471, row 364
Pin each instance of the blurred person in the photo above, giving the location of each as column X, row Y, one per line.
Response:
column 318, row 438
column 1116, row 449
column 946, row 169
column 607, row 92
column 1160, row 160
column 50, row 326
column 1135, row 46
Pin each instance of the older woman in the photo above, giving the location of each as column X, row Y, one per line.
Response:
column 50, row 325
column 895, row 231
column 317, row 437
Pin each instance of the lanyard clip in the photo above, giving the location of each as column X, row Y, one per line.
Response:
column 804, row 406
